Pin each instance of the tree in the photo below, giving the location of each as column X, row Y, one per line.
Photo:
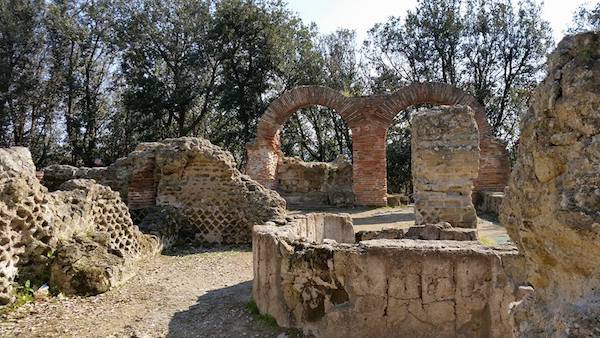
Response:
column 82, row 61
column 586, row 19
column 319, row 133
column 491, row 49
column 26, row 94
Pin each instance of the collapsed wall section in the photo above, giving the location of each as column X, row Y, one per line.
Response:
column 445, row 161
column 315, row 183
column 185, row 189
column 36, row 226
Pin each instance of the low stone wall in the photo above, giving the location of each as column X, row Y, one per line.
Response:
column 489, row 202
column 315, row 183
column 382, row 288
column 445, row 161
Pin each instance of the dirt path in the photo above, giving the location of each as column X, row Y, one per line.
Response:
column 188, row 293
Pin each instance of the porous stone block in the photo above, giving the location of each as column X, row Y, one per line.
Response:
column 35, row 224
column 551, row 208
column 445, row 161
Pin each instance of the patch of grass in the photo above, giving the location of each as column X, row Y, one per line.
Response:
column 486, row 241
column 255, row 312
column 23, row 295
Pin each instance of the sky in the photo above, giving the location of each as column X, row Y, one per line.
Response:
column 361, row 15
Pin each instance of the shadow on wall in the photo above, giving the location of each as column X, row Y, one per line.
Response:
column 222, row 313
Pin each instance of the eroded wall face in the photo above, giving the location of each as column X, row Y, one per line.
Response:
column 36, row 227
column 552, row 206
column 445, row 161
column 384, row 288
column 207, row 200
column 315, row 183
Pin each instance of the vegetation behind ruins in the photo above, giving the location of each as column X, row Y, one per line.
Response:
column 83, row 80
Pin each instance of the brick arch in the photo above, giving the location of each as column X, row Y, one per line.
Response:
column 435, row 93
column 369, row 118
column 494, row 168
column 264, row 154
column 283, row 107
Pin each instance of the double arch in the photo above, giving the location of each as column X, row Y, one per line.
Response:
column 369, row 117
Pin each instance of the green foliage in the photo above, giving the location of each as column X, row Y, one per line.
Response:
column 82, row 80
column 255, row 312
column 586, row 18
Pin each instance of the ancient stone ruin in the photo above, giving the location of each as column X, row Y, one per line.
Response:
column 185, row 189
column 315, row 183
column 82, row 236
column 445, row 162
column 552, row 205
column 369, row 118
column 309, row 274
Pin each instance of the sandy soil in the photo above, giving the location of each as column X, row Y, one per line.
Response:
column 191, row 292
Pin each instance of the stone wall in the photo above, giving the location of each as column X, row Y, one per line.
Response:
column 187, row 189
column 382, row 288
column 44, row 233
column 552, row 205
column 445, row 161
column 489, row 202
column 315, row 183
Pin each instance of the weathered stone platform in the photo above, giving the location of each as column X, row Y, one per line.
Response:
column 308, row 275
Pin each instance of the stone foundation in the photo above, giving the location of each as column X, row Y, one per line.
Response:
column 445, row 161
column 315, row 183
column 309, row 277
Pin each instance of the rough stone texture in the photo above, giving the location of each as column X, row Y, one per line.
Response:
column 210, row 201
column 552, row 204
column 116, row 176
column 441, row 231
column 369, row 118
column 489, row 202
column 188, row 189
column 397, row 200
column 445, row 161
column 316, row 183
column 383, row 288
column 34, row 224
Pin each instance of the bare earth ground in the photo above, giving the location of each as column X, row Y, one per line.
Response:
column 191, row 292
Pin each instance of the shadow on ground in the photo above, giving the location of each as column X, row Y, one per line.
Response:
column 391, row 218
column 191, row 249
column 224, row 313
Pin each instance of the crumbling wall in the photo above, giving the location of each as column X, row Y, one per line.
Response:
column 445, row 161
column 315, row 183
column 209, row 200
column 185, row 189
column 36, row 226
column 383, row 288
column 552, row 204
column 116, row 176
